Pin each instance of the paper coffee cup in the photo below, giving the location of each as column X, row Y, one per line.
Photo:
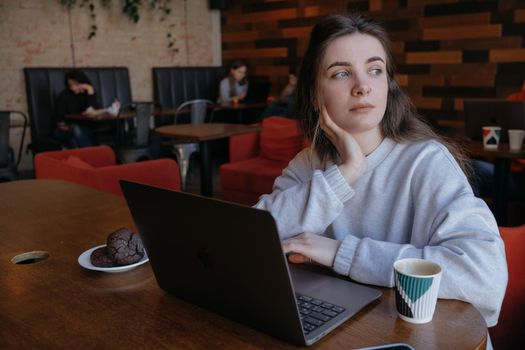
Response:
column 516, row 137
column 491, row 136
column 417, row 286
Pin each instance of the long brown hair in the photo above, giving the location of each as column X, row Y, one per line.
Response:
column 401, row 121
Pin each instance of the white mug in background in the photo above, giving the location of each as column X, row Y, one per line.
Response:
column 516, row 137
column 491, row 136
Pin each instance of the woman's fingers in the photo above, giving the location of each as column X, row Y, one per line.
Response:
column 326, row 122
column 353, row 161
column 298, row 258
column 308, row 246
column 296, row 247
column 328, row 126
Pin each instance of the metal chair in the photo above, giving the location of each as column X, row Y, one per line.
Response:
column 8, row 166
column 198, row 111
column 133, row 136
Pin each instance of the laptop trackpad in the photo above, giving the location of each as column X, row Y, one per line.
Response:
column 331, row 289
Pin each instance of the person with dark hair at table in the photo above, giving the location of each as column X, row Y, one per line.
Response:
column 284, row 106
column 78, row 97
column 377, row 184
column 234, row 87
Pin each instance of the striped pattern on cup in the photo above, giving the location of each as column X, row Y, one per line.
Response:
column 416, row 296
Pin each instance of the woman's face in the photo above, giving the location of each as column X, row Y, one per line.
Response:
column 239, row 73
column 75, row 86
column 352, row 82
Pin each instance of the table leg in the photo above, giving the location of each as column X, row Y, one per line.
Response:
column 239, row 116
column 121, row 133
column 499, row 192
column 206, row 175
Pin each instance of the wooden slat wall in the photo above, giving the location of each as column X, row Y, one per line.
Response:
column 445, row 50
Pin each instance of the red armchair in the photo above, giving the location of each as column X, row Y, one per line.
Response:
column 256, row 159
column 96, row 167
column 508, row 333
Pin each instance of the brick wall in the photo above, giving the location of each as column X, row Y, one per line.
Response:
column 37, row 33
column 445, row 50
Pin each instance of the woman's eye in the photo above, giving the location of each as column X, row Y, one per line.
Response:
column 376, row 71
column 340, row 75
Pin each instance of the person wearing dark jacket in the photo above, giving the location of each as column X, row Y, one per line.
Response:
column 78, row 97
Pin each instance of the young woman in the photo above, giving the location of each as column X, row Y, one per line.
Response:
column 77, row 97
column 377, row 184
column 234, row 87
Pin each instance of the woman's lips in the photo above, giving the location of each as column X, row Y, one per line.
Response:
column 361, row 108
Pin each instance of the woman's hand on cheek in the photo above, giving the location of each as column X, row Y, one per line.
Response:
column 88, row 89
column 308, row 246
column 353, row 161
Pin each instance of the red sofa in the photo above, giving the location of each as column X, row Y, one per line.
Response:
column 257, row 159
column 96, row 167
column 508, row 333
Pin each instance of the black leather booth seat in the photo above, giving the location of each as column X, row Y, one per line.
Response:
column 43, row 85
column 173, row 86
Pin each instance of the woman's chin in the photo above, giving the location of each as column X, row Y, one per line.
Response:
column 357, row 129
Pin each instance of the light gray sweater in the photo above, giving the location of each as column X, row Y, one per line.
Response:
column 413, row 201
column 225, row 96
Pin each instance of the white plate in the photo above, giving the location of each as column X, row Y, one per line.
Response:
column 85, row 261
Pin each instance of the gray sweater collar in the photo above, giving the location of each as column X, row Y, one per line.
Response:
column 380, row 153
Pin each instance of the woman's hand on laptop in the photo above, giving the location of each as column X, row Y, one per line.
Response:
column 308, row 247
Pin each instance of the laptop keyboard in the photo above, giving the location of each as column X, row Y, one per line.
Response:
column 315, row 312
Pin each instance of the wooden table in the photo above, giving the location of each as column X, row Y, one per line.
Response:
column 142, row 111
column 203, row 133
column 120, row 122
column 56, row 304
column 503, row 157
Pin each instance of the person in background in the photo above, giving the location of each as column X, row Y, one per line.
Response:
column 234, row 87
column 284, row 105
column 78, row 97
column 484, row 171
column 377, row 184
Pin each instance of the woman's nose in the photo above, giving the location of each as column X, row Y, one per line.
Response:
column 360, row 88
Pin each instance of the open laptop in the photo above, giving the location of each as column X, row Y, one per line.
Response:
column 485, row 112
column 257, row 92
column 227, row 258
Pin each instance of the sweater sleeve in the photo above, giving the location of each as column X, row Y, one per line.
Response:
column 314, row 197
column 224, row 91
column 450, row 227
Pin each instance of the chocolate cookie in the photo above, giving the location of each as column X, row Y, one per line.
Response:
column 124, row 247
column 99, row 257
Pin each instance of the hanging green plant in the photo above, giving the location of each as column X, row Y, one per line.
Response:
column 130, row 8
